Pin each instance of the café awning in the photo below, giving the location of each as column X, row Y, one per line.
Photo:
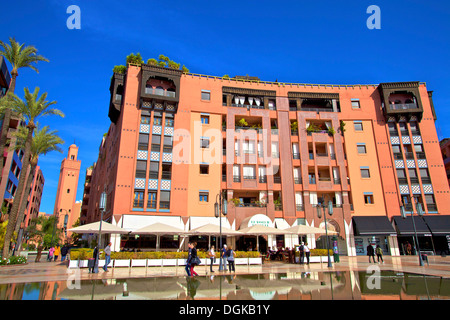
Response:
column 107, row 228
column 405, row 226
column 372, row 226
column 439, row 225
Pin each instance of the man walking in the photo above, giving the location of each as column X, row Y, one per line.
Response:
column 107, row 257
column 223, row 256
column 301, row 249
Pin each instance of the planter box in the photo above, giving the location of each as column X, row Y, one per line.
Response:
column 181, row 262
column 138, row 263
column 81, row 263
column 73, row 264
column 121, row 263
column 240, row 261
column 168, row 262
column 313, row 259
column 154, row 262
column 254, row 261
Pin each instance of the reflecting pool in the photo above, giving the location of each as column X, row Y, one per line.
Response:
column 349, row 285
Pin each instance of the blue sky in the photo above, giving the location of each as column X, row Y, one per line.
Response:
column 324, row 42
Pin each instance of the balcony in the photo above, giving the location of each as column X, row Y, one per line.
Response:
column 236, row 178
column 276, row 179
column 296, row 155
column 402, row 106
column 262, row 179
column 420, row 155
column 249, row 177
column 299, row 207
column 278, row 207
column 297, row 181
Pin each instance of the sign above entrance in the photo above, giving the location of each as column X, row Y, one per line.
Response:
column 259, row 219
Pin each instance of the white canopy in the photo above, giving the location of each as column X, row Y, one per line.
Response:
column 263, row 230
column 212, row 229
column 107, row 228
column 303, row 229
column 159, row 229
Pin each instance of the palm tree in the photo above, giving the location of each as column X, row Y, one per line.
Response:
column 20, row 56
column 44, row 141
column 30, row 110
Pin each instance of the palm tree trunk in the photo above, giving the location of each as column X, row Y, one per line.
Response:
column 23, row 206
column 20, row 189
column 6, row 120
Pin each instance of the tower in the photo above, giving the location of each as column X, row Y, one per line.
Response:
column 67, row 189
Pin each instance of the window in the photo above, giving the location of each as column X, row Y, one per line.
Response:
column 361, row 148
column 145, row 120
column 355, row 104
column 168, row 144
column 141, row 169
column 151, row 203
column 156, row 143
column 368, row 198
column 138, row 201
column 365, row 173
column 169, row 122
column 154, row 170
column 358, row 125
column 204, row 142
column 166, row 173
column 203, row 196
column 143, row 141
column 204, row 119
column 164, row 202
column 204, row 169
column 68, row 190
column 206, row 95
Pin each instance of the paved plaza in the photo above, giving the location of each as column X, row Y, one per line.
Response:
column 58, row 271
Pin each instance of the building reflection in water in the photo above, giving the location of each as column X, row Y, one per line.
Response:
column 347, row 285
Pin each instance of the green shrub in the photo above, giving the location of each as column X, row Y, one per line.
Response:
column 13, row 260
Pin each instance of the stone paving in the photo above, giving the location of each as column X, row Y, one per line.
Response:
column 58, row 271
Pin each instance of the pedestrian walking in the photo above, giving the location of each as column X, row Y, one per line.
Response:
column 307, row 252
column 223, row 256
column 50, row 254
column 92, row 261
column 230, row 258
column 212, row 257
column 194, row 259
column 188, row 261
column 379, row 253
column 371, row 252
column 57, row 252
column 301, row 249
column 107, row 257
column 64, row 251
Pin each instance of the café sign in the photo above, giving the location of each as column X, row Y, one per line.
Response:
column 260, row 219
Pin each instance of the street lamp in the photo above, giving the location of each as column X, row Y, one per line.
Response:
column 219, row 209
column 420, row 212
column 101, row 207
column 319, row 215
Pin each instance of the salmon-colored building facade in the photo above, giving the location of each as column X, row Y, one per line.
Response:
column 66, row 208
column 275, row 151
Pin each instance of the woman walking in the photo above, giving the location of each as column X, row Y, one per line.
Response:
column 188, row 261
column 307, row 252
column 230, row 257
column 379, row 253
column 194, row 259
column 57, row 252
column 212, row 257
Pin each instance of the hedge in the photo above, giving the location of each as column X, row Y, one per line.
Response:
column 84, row 254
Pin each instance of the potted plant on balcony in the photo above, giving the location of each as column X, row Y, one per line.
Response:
column 331, row 131
column 312, row 128
column 342, row 127
column 235, row 201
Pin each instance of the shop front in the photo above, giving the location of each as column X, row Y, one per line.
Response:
column 375, row 231
column 406, row 235
column 439, row 226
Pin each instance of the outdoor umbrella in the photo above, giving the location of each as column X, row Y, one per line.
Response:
column 159, row 229
column 259, row 230
column 213, row 229
column 302, row 229
column 94, row 228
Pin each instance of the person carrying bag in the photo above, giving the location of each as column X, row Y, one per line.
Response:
column 230, row 258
